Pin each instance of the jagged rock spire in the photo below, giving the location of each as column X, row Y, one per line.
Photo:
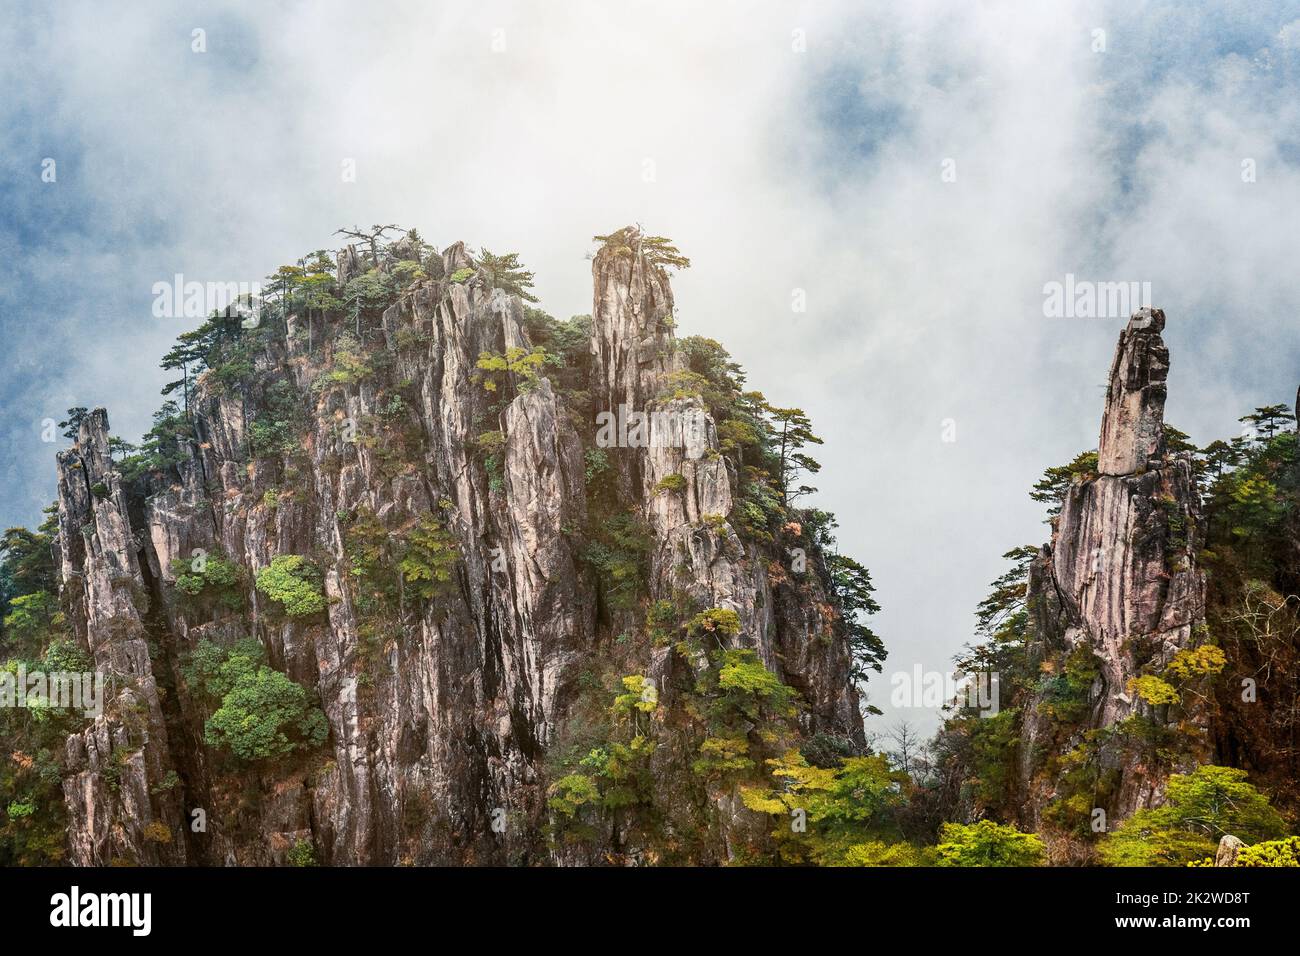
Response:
column 631, row 321
column 1120, row 578
column 103, row 589
column 1132, row 427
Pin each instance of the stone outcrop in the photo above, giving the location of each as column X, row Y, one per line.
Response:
column 1120, row 577
column 1230, row 848
column 441, row 713
column 119, row 793
column 1132, row 426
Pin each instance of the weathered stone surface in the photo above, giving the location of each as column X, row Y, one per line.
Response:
column 116, row 786
column 1120, row 576
column 1229, row 849
column 631, row 323
column 1132, row 426
column 440, row 721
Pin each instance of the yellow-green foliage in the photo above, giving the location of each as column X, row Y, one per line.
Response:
column 430, row 557
column 1153, row 690
column 673, row 483
column 32, row 618
column 681, row 384
column 571, row 793
column 717, row 622
column 833, row 816
column 303, row 853
column 423, row 556
column 1200, row 662
column 639, row 696
column 158, row 832
column 715, row 523
column 520, row 362
column 294, row 583
column 367, row 544
column 1271, row 853
column 876, row 853
column 614, row 776
column 351, row 365
column 988, row 844
column 740, row 686
column 1202, row 806
column 723, row 755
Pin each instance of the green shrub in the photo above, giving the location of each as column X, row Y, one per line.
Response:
column 219, row 580
column 1271, row 853
column 849, row 810
column 303, row 853
column 739, row 693
column 619, row 554
column 674, row 483
column 518, row 365
column 662, row 622
column 430, row 557
column 719, row 622
column 1065, row 696
column 571, row 793
column 350, row 366
column 988, row 844
column 265, row 715
column 596, row 463
column 1202, row 807
column 271, row 437
column 294, row 583
column 491, row 445
column 723, row 755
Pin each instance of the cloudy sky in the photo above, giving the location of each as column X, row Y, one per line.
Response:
column 916, row 172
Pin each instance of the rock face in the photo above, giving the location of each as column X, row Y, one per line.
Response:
column 120, row 797
column 1120, row 577
column 1229, row 849
column 1132, row 427
column 440, row 713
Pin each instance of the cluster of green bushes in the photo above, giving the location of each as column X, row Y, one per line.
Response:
column 294, row 583
column 257, row 713
column 211, row 580
column 386, row 563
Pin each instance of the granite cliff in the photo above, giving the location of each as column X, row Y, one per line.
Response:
column 391, row 489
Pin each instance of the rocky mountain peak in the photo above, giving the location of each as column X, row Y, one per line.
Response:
column 1132, row 426
column 397, row 509
column 632, row 319
column 1119, row 590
